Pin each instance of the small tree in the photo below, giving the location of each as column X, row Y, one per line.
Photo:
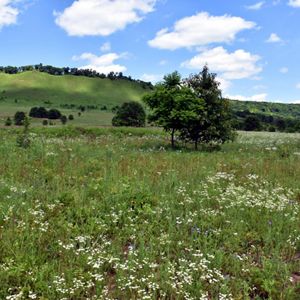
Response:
column 8, row 122
column 63, row 120
column 54, row 114
column 165, row 102
column 130, row 114
column 19, row 118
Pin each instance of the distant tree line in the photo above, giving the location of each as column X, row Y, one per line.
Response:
column 57, row 71
column 246, row 120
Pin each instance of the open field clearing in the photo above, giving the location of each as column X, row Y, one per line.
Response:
column 115, row 214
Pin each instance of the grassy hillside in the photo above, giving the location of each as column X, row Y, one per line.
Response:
column 25, row 90
column 35, row 88
column 275, row 109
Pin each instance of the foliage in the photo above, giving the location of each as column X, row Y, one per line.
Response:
column 130, row 114
column 63, row 120
column 252, row 123
column 71, row 117
column 19, row 118
column 38, row 112
column 8, row 122
column 216, row 123
column 45, row 122
column 54, row 114
column 194, row 108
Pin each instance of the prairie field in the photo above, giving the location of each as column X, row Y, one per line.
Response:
column 116, row 214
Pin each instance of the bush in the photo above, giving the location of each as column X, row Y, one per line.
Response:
column 252, row 123
column 71, row 117
column 19, row 118
column 54, row 114
column 45, row 122
column 63, row 120
column 8, row 122
column 38, row 112
column 130, row 114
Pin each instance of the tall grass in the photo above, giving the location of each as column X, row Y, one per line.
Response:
column 116, row 214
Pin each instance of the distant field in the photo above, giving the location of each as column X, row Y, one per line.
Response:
column 114, row 213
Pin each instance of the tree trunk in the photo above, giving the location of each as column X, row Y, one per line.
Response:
column 172, row 138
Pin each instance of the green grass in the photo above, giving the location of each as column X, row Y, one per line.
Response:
column 22, row 91
column 115, row 214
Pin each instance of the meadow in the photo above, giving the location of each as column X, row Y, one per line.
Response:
column 116, row 214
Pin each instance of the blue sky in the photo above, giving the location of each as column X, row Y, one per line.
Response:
column 252, row 45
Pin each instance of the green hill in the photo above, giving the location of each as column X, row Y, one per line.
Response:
column 33, row 88
column 36, row 88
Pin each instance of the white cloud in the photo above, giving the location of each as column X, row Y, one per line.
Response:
column 106, row 47
column 102, row 64
column 284, row 70
column 236, row 65
column 274, row 38
column 298, row 85
column 257, row 98
column 200, row 29
column 102, row 17
column 154, row 78
column 294, row 3
column 163, row 62
column 256, row 6
column 8, row 13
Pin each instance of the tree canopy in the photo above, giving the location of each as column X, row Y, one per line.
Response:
column 192, row 108
column 130, row 114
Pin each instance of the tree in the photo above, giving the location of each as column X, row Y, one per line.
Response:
column 194, row 108
column 252, row 123
column 38, row 112
column 54, row 114
column 19, row 118
column 168, row 104
column 215, row 125
column 63, row 120
column 130, row 114
column 8, row 122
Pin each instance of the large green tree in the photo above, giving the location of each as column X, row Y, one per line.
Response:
column 173, row 105
column 193, row 107
column 216, row 122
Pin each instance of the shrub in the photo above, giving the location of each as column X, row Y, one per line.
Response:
column 54, row 114
column 130, row 114
column 38, row 112
column 63, row 120
column 8, row 122
column 252, row 123
column 71, row 117
column 45, row 122
column 19, row 118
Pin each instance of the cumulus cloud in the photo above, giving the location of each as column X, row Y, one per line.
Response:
column 102, row 17
column 294, row 3
column 256, row 6
column 8, row 12
column 274, row 38
column 256, row 98
column 154, row 78
column 236, row 65
column 103, row 63
column 199, row 30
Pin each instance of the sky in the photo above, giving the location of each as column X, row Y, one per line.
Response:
column 252, row 45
